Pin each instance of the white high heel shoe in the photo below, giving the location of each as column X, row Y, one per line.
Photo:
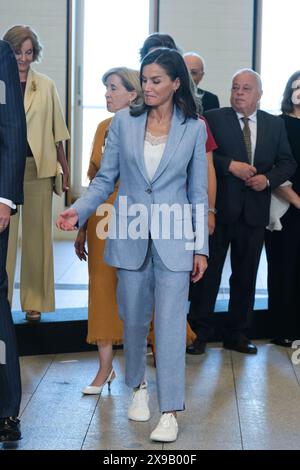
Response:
column 93, row 390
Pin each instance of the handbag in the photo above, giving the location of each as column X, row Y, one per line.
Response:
column 58, row 180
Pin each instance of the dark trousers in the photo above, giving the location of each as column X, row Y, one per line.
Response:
column 283, row 255
column 10, row 380
column 246, row 244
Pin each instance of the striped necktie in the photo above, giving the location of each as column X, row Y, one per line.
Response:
column 247, row 137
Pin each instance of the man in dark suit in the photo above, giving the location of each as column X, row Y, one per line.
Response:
column 12, row 163
column 195, row 65
column 253, row 157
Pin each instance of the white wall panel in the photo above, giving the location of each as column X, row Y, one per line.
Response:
column 219, row 30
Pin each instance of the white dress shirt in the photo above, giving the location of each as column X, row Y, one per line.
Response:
column 253, row 130
column 7, row 202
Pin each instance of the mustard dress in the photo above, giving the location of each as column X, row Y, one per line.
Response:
column 103, row 320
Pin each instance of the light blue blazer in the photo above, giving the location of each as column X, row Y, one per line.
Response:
column 180, row 179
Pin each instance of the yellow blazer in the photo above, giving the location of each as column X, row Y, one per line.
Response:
column 45, row 122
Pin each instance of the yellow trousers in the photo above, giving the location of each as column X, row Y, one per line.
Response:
column 37, row 273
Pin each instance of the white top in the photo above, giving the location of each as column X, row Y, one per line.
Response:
column 278, row 208
column 153, row 151
column 253, row 130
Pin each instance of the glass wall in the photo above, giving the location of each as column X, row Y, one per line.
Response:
column 114, row 31
column 280, row 55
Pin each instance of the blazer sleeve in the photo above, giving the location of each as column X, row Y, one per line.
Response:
column 12, row 128
column 60, row 130
column 103, row 185
column 197, row 192
column 221, row 161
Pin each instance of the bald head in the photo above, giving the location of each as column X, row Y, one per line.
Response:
column 195, row 65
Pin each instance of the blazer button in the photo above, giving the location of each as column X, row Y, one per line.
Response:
column 149, row 190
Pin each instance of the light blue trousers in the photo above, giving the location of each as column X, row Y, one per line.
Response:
column 153, row 287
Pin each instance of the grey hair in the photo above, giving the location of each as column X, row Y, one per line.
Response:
column 252, row 72
column 130, row 79
column 194, row 54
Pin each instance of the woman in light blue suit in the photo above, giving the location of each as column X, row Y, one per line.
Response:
column 158, row 234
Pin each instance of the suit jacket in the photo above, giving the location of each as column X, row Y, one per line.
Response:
column 181, row 178
column 45, row 122
column 272, row 158
column 12, row 128
column 209, row 100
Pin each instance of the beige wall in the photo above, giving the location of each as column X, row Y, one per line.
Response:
column 49, row 19
column 219, row 30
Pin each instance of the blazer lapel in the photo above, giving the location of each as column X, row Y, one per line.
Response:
column 30, row 90
column 259, row 134
column 138, row 137
column 175, row 135
column 237, row 133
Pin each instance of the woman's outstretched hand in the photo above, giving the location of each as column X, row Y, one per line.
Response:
column 67, row 220
column 199, row 268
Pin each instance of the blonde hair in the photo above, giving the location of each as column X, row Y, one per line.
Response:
column 130, row 79
column 16, row 35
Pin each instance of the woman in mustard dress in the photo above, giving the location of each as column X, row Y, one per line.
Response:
column 104, row 326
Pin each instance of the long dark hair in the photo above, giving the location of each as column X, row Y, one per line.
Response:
column 287, row 105
column 174, row 66
column 156, row 40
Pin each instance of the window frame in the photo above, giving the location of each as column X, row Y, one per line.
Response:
column 75, row 87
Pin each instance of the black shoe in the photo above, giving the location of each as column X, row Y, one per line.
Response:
column 10, row 429
column 196, row 348
column 285, row 342
column 243, row 346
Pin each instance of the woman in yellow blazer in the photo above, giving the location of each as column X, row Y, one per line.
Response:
column 46, row 131
column 104, row 326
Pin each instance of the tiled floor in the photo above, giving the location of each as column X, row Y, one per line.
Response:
column 233, row 402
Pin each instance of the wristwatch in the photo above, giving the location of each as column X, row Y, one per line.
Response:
column 212, row 210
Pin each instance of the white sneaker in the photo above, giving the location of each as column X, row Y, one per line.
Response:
column 138, row 409
column 166, row 430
